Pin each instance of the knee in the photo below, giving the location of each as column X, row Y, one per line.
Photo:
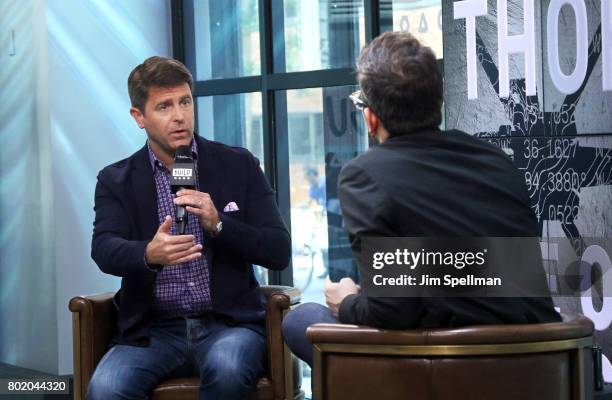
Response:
column 290, row 326
column 108, row 385
column 298, row 320
column 227, row 378
column 102, row 386
column 229, row 367
column 230, row 372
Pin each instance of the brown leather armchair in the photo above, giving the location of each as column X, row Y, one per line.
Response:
column 94, row 325
column 551, row 361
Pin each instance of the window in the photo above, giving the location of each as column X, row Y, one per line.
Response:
column 233, row 119
column 273, row 76
column 423, row 19
column 324, row 132
column 318, row 34
column 226, row 39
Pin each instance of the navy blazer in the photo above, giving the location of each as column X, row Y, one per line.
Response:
column 126, row 220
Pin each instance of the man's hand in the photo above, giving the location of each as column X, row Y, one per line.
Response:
column 199, row 204
column 166, row 249
column 336, row 292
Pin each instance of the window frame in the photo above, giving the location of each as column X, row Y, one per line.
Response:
column 269, row 83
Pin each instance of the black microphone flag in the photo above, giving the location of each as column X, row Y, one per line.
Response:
column 182, row 177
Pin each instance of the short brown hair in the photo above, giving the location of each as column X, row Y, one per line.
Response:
column 401, row 82
column 156, row 71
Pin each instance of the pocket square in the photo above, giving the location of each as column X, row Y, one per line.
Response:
column 231, row 206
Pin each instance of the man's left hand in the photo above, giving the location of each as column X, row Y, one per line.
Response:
column 335, row 292
column 199, row 204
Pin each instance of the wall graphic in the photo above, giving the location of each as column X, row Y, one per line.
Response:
column 562, row 142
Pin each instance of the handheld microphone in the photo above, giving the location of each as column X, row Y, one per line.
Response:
column 183, row 177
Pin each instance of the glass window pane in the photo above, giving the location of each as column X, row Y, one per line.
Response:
column 234, row 120
column 317, row 34
column 422, row 18
column 324, row 131
column 226, row 39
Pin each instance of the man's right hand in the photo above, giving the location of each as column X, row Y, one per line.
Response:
column 166, row 249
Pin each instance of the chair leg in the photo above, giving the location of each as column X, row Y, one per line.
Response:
column 317, row 374
column 578, row 384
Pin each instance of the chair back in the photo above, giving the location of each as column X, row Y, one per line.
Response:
column 550, row 361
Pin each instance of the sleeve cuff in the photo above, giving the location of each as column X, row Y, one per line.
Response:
column 228, row 231
column 345, row 312
column 151, row 267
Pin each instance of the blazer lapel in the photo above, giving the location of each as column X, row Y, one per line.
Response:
column 209, row 183
column 208, row 171
column 144, row 194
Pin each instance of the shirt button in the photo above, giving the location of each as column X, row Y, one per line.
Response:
column 191, row 284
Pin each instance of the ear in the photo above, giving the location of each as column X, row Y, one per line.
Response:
column 138, row 116
column 371, row 120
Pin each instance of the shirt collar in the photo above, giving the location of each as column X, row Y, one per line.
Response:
column 156, row 162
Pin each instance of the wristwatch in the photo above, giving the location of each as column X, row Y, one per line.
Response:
column 218, row 228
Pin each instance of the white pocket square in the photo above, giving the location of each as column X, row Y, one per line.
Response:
column 231, row 206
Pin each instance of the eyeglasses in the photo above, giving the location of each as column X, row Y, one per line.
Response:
column 358, row 100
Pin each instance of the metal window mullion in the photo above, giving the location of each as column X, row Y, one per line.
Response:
column 217, row 87
column 371, row 11
column 272, row 82
column 312, row 79
column 178, row 31
column 275, row 156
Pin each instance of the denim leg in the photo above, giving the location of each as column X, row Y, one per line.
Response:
column 295, row 323
column 231, row 360
column 132, row 372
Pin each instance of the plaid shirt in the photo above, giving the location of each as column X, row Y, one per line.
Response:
column 184, row 289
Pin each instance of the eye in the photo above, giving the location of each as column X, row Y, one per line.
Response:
column 186, row 101
column 162, row 107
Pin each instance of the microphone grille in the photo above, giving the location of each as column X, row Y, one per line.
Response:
column 183, row 152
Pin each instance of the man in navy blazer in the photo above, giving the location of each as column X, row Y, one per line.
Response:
column 186, row 301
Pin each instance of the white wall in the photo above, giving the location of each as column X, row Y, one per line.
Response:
column 28, row 330
column 68, row 108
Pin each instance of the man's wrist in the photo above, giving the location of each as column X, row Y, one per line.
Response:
column 344, row 309
column 152, row 267
column 217, row 227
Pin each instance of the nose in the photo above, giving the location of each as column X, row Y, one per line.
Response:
column 178, row 115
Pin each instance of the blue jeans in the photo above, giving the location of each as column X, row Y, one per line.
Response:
column 295, row 323
column 229, row 360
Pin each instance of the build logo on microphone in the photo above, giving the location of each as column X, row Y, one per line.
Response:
column 182, row 173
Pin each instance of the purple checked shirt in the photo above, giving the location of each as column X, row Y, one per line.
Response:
column 183, row 289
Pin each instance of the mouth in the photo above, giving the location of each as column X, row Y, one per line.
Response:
column 179, row 132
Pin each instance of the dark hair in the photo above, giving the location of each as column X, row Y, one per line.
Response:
column 401, row 83
column 156, row 71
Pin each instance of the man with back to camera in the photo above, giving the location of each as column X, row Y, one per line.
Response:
column 419, row 182
column 187, row 302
